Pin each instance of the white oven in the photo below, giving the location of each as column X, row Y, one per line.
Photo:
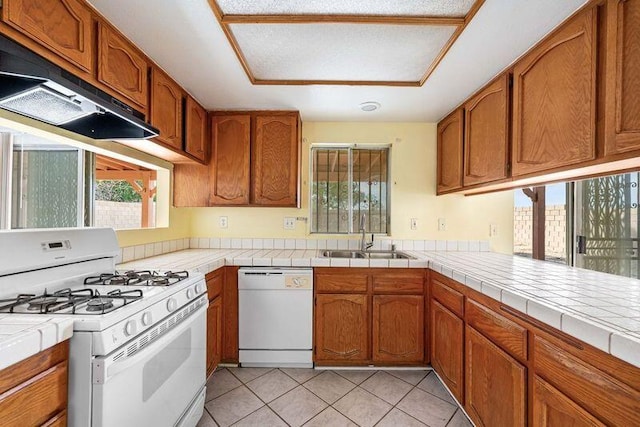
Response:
column 154, row 385
column 138, row 352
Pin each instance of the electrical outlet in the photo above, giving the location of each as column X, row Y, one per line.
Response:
column 223, row 222
column 414, row 223
column 493, row 230
column 442, row 224
column 289, row 223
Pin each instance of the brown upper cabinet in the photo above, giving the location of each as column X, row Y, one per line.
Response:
column 196, row 137
column 450, row 138
column 554, row 99
column 230, row 160
column 274, row 163
column 622, row 118
column 166, row 109
column 64, row 27
column 121, row 66
column 486, row 134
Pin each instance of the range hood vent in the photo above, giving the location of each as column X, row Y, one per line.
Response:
column 37, row 88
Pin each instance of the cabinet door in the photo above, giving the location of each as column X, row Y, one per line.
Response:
column 495, row 384
column 121, row 66
column 274, row 162
column 398, row 328
column 554, row 105
column 450, row 136
column 486, row 134
column 447, row 343
column 62, row 26
column 196, row 132
column 230, row 315
column 622, row 110
column 341, row 327
column 230, row 160
column 553, row 409
column 214, row 334
column 166, row 109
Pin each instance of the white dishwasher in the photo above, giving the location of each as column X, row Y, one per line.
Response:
column 275, row 317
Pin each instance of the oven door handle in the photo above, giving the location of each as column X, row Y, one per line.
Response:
column 102, row 370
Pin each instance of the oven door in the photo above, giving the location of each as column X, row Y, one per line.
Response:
column 157, row 384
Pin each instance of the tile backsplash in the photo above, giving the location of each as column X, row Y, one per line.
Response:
column 131, row 253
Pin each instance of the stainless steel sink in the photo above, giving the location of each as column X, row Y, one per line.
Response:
column 343, row 254
column 367, row 254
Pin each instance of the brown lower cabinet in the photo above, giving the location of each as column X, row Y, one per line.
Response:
column 551, row 408
column 495, row 384
column 514, row 370
column 369, row 316
column 215, row 286
column 447, row 348
column 342, row 328
column 34, row 391
column 230, row 352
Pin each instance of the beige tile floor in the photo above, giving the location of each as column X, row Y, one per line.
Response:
column 294, row 397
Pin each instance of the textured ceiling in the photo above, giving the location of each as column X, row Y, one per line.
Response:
column 184, row 38
column 347, row 7
column 319, row 51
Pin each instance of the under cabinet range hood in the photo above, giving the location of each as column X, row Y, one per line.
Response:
column 34, row 87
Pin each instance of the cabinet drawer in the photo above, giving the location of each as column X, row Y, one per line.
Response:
column 611, row 401
column 215, row 281
column 37, row 400
column 410, row 282
column 334, row 282
column 448, row 297
column 506, row 334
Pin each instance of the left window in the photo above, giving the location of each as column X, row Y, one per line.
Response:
column 52, row 185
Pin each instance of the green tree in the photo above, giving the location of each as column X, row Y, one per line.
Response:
column 116, row 191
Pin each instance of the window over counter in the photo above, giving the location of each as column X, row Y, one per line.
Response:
column 347, row 183
column 46, row 184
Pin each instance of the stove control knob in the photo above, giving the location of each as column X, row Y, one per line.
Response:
column 172, row 304
column 146, row 318
column 199, row 288
column 130, row 328
column 189, row 293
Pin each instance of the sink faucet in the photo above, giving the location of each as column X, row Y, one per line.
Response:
column 364, row 245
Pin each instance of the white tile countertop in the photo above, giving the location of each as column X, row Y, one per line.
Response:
column 600, row 309
column 22, row 336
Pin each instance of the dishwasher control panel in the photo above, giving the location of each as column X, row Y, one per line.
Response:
column 298, row 282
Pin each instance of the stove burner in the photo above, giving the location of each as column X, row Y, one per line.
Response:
column 159, row 281
column 42, row 302
column 99, row 303
column 138, row 278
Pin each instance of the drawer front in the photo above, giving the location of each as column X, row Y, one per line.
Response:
column 215, row 282
column 336, row 282
column 508, row 335
column 448, row 297
column 36, row 401
column 609, row 400
column 410, row 282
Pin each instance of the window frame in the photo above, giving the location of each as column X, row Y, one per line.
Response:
column 350, row 147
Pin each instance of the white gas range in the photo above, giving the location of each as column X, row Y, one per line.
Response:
column 138, row 352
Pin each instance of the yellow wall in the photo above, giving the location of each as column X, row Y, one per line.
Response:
column 178, row 228
column 413, row 176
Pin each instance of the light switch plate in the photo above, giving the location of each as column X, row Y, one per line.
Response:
column 493, row 230
column 414, row 223
column 289, row 223
column 442, row 224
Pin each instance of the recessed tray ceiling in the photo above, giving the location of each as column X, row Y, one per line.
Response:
column 378, row 42
column 450, row 8
column 319, row 52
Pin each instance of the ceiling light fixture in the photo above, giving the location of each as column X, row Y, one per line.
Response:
column 370, row 106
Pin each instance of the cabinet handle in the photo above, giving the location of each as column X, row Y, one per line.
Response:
column 545, row 328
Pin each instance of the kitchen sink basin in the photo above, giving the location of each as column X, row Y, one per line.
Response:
column 343, row 254
column 367, row 254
